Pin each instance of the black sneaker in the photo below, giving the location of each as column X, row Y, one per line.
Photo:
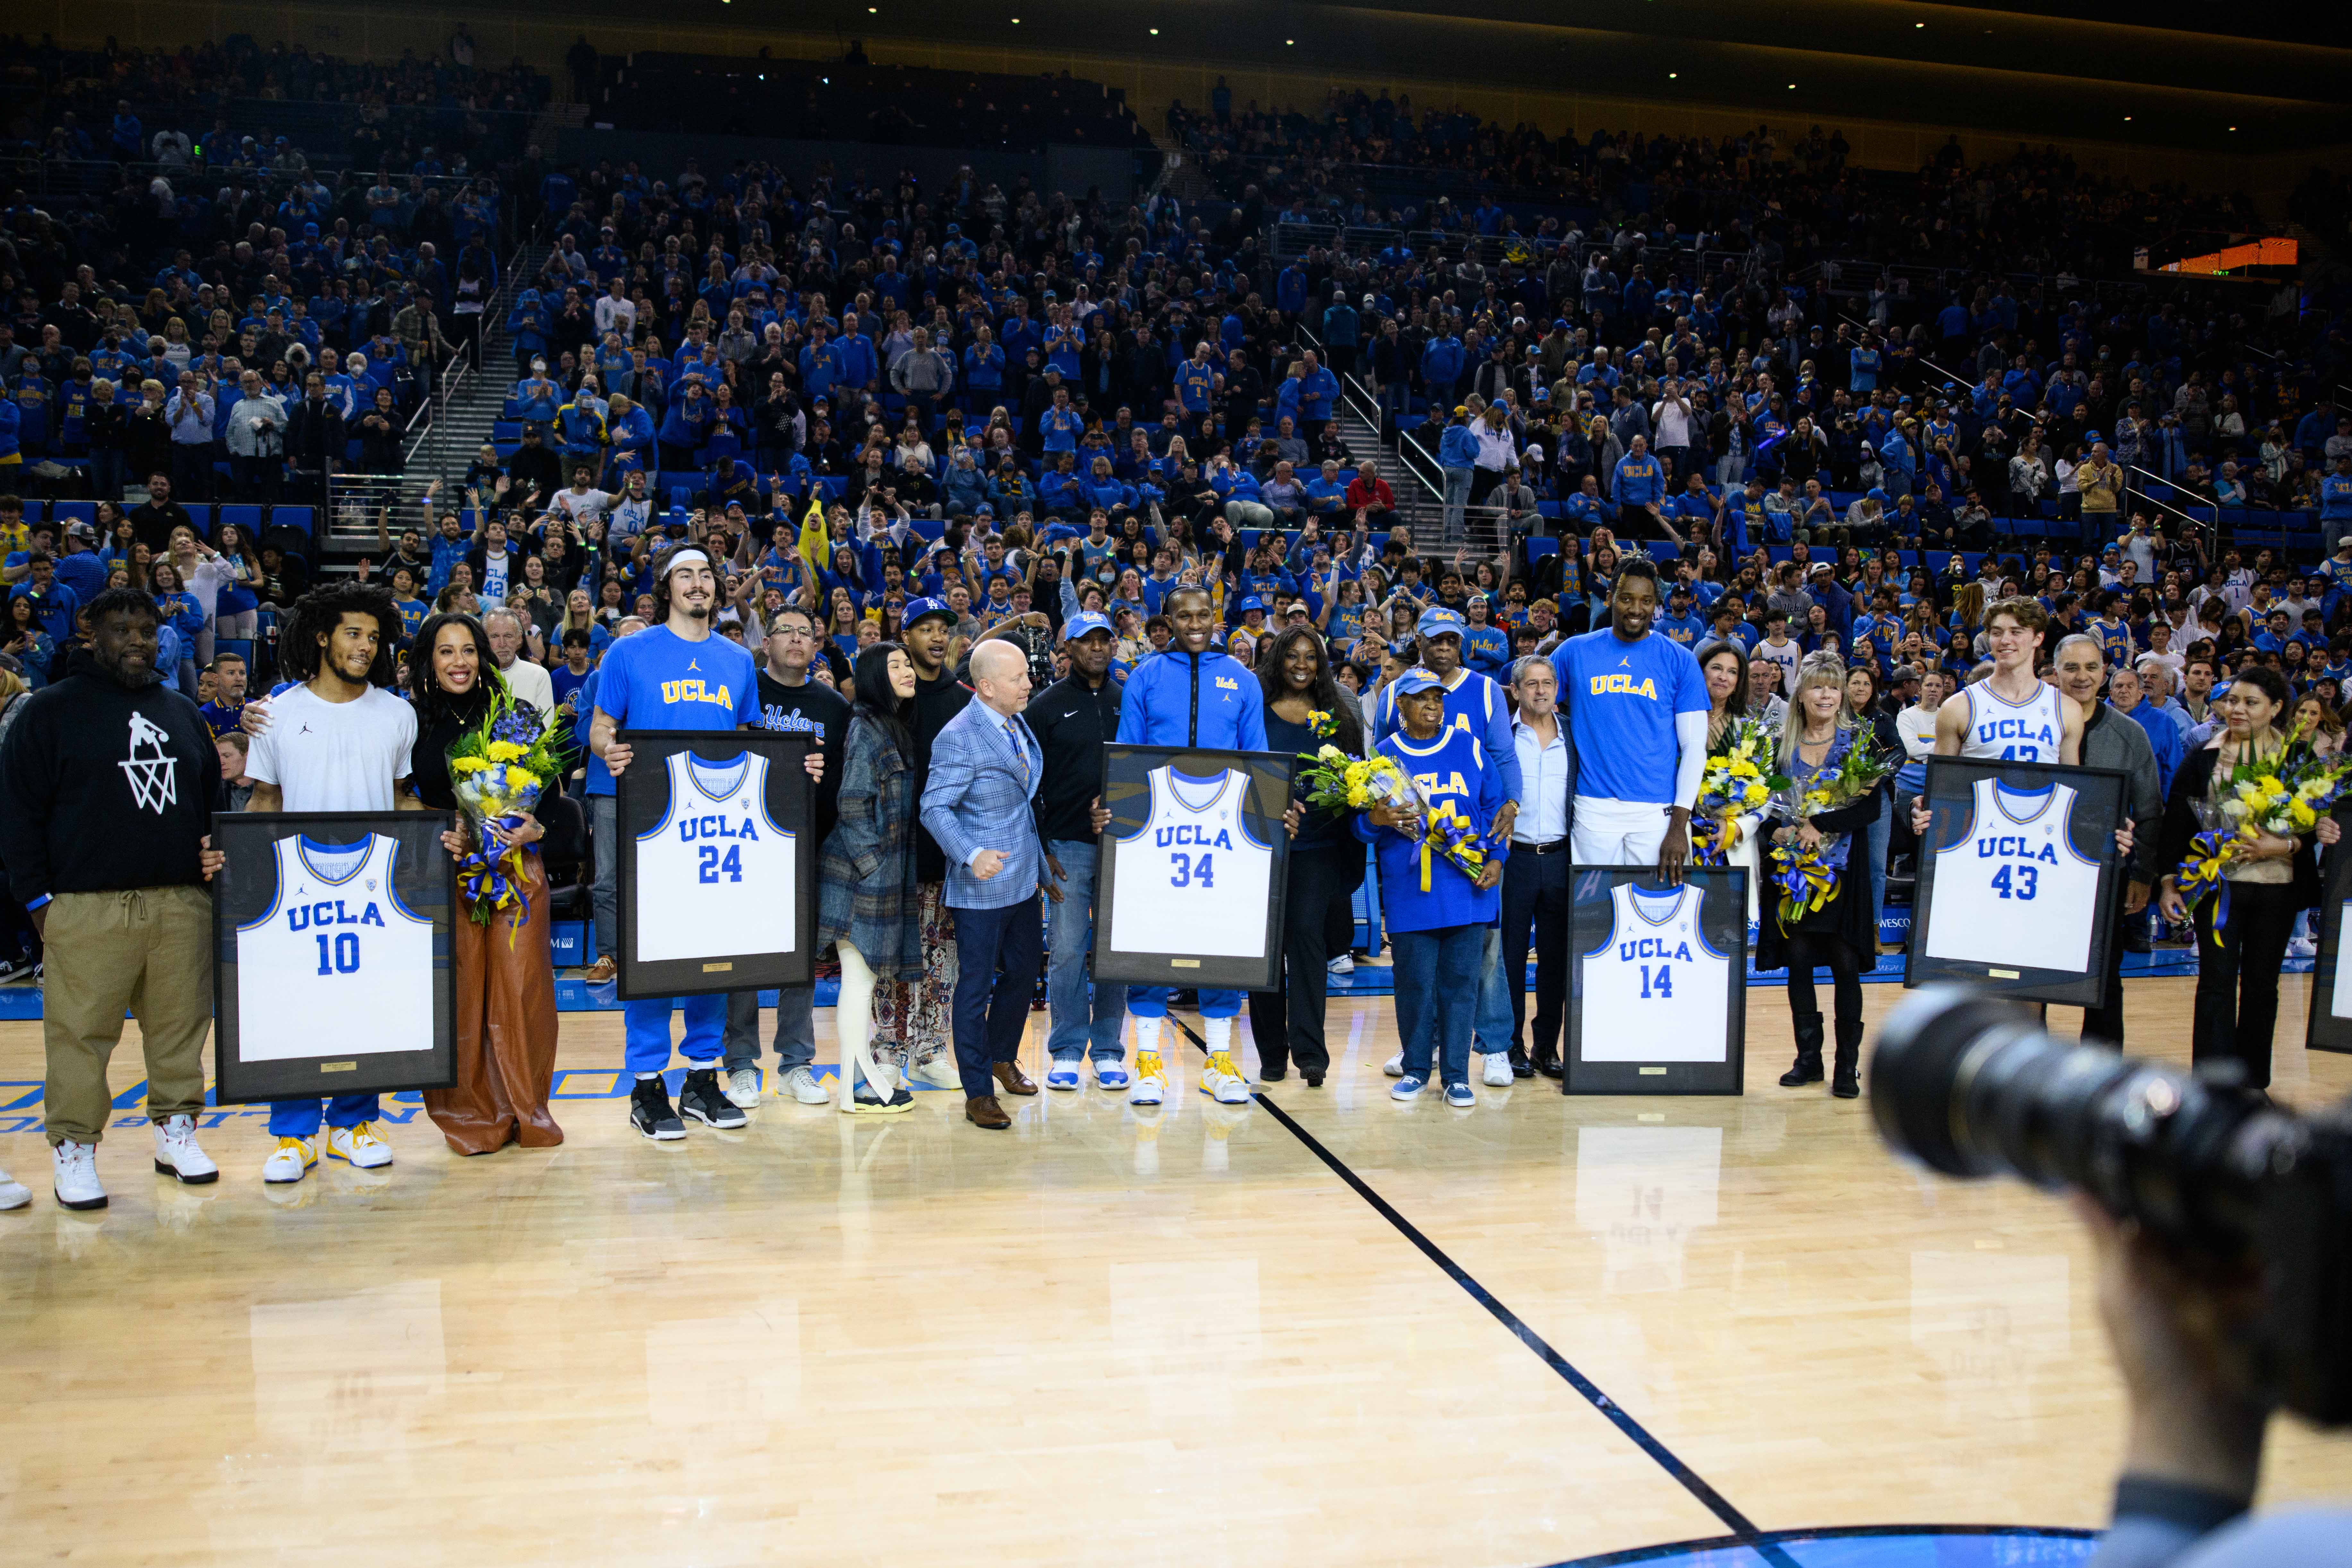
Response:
column 702, row 1098
column 650, row 1114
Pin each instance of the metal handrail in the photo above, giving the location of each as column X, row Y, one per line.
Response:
column 1366, row 405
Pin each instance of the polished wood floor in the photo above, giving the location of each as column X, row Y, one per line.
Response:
column 1171, row 1338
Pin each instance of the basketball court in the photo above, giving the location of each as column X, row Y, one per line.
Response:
column 1322, row 1329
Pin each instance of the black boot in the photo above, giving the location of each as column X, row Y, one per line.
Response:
column 1844, row 1083
column 1808, row 1051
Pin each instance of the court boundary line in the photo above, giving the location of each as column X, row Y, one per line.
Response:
column 1743, row 1527
column 1671, row 1548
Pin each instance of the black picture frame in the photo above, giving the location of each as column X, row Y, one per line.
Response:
column 249, row 1069
column 1723, row 926
column 2328, row 1020
column 2101, row 795
column 1127, row 793
column 641, row 804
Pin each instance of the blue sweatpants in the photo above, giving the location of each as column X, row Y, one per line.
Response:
column 301, row 1117
column 1151, row 1002
column 645, row 1031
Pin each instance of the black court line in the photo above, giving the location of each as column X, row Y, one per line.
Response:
column 1743, row 1527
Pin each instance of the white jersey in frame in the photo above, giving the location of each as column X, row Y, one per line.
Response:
column 2013, row 892
column 1193, row 878
column 1655, row 991
column 717, row 874
column 337, row 964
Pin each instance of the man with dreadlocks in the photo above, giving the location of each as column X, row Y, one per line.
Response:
column 336, row 740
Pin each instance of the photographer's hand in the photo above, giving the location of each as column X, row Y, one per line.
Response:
column 2166, row 1324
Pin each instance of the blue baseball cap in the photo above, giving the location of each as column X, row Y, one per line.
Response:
column 917, row 609
column 1082, row 623
column 1440, row 623
column 1417, row 679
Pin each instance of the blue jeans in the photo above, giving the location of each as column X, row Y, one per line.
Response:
column 1457, row 497
column 795, row 1028
column 645, row 1031
column 1080, row 1028
column 301, row 1117
column 1436, row 977
column 1491, row 1029
column 604, row 824
column 996, row 973
column 1873, row 844
column 1151, row 1002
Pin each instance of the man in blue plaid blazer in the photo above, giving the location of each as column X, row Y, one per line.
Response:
column 978, row 803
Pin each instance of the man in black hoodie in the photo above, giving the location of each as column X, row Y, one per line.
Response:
column 107, row 786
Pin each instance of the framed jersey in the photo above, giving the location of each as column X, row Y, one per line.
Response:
column 330, row 942
column 718, row 869
column 2328, row 1026
column 2016, row 879
column 1657, row 990
column 1191, row 872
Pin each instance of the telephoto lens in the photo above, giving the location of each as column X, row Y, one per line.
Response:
column 1971, row 1086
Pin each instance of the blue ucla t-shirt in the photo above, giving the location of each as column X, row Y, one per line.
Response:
column 1621, row 700
column 658, row 680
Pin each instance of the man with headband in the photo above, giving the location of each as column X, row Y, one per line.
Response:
column 675, row 676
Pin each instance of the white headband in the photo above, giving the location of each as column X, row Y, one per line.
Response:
column 684, row 558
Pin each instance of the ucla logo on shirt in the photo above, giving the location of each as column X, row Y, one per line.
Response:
column 1993, row 730
column 1665, row 947
column 330, row 912
column 697, row 691
column 1192, row 834
column 1434, row 783
column 1624, row 686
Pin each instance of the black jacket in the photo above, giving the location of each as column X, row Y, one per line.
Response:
column 1073, row 725
column 104, row 788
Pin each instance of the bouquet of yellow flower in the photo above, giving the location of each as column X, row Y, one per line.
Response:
column 497, row 770
column 2285, row 795
column 1738, row 780
column 1332, row 779
column 1807, row 874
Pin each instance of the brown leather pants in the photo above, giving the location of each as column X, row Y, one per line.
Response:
column 505, row 1030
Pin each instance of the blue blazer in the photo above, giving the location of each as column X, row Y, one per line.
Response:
column 978, row 797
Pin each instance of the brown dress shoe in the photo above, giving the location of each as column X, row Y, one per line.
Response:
column 1012, row 1079
column 984, row 1112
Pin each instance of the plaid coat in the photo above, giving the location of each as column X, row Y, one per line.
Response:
column 865, row 870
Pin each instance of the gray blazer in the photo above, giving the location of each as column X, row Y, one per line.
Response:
column 978, row 797
column 2113, row 740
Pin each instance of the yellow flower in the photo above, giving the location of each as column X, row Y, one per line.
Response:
column 2270, row 784
column 523, row 778
column 506, row 751
column 2301, row 816
column 469, row 764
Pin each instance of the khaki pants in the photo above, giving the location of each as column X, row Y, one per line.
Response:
column 145, row 951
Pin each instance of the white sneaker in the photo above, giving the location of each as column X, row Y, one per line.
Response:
column 743, row 1089
column 1221, row 1081
column 75, row 1176
column 801, row 1085
column 291, row 1162
column 2302, row 947
column 176, row 1153
column 1497, row 1073
column 1394, row 1065
column 360, row 1145
column 1149, row 1084
column 13, row 1194
column 938, row 1069
column 1343, row 964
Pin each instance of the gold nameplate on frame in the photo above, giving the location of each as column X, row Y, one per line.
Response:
column 1183, row 963
column 339, row 1067
column 1653, row 1072
column 2001, row 974
column 726, row 968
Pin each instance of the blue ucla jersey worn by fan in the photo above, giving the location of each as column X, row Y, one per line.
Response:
column 1621, row 700
column 1452, row 770
column 658, row 680
column 1475, row 705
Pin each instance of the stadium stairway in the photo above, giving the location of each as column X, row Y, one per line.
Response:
column 473, row 402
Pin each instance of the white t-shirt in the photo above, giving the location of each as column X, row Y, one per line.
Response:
column 1672, row 424
column 1916, row 726
column 335, row 756
column 533, row 685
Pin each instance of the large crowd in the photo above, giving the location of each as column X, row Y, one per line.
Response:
column 890, row 416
